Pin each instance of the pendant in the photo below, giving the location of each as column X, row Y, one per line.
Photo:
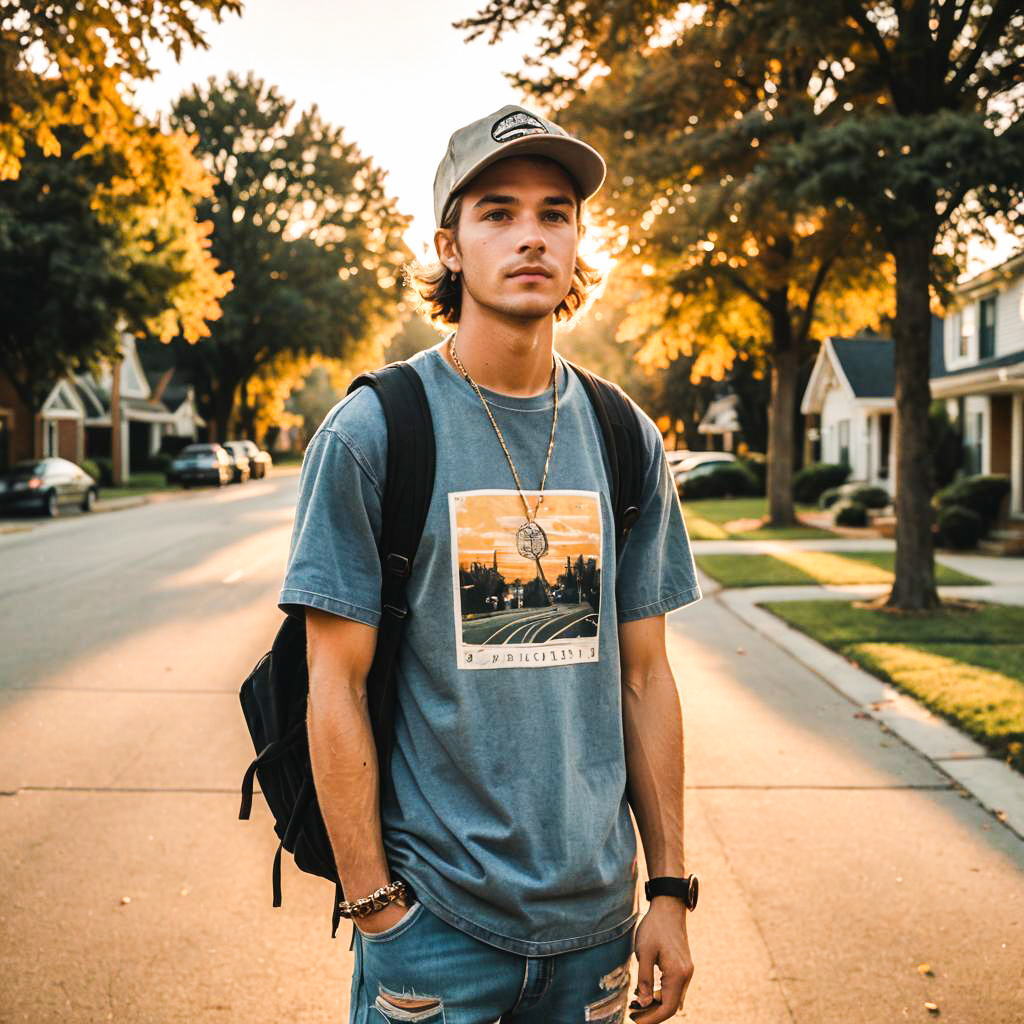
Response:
column 531, row 540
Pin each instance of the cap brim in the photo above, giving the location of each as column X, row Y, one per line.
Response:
column 583, row 163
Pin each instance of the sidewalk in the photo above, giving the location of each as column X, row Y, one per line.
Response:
column 846, row 877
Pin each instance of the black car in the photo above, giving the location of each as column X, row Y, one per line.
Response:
column 45, row 485
column 240, row 458
column 260, row 461
column 201, row 464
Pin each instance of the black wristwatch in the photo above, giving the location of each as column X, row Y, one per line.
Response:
column 684, row 888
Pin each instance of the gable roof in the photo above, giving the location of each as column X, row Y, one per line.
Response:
column 866, row 363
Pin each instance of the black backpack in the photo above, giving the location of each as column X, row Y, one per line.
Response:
column 274, row 695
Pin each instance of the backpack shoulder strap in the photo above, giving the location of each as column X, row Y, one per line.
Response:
column 407, row 491
column 623, row 443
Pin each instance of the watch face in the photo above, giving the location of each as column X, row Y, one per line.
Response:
column 691, row 896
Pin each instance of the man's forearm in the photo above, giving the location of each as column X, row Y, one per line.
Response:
column 653, row 733
column 345, row 773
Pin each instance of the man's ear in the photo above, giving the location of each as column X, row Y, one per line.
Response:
column 447, row 249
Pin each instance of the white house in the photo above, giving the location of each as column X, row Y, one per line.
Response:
column 850, row 393
column 983, row 377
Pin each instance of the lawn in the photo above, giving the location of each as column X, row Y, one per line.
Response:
column 814, row 567
column 966, row 665
column 139, row 483
column 737, row 519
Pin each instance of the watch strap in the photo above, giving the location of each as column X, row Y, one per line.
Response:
column 668, row 885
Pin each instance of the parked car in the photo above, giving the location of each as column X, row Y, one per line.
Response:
column 240, row 457
column 201, row 464
column 700, row 463
column 677, row 456
column 46, row 485
column 260, row 461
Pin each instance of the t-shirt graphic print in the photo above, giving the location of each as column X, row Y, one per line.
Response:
column 526, row 594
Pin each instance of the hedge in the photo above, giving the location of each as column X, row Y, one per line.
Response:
column 960, row 527
column 812, row 481
column 852, row 513
column 871, row 497
column 729, row 480
column 981, row 494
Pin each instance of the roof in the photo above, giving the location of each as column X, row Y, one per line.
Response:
column 721, row 417
column 866, row 363
column 996, row 363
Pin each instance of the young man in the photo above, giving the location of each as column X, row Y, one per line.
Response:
column 535, row 699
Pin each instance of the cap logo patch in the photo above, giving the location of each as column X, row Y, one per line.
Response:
column 515, row 126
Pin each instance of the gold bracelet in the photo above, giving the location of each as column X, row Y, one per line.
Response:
column 377, row 900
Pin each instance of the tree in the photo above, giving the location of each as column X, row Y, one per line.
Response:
column 916, row 121
column 303, row 221
column 721, row 256
column 85, row 250
column 70, row 65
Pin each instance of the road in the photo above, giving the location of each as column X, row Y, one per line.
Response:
column 531, row 625
column 834, row 861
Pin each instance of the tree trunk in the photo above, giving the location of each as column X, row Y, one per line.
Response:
column 914, row 584
column 781, row 410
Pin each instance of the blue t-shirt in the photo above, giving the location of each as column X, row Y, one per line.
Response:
column 506, row 807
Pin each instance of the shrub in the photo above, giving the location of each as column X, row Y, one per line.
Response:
column 945, row 445
column 727, row 481
column 812, row 481
column 870, row 496
column 960, row 527
column 158, row 462
column 981, row 494
column 757, row 466
column 90, row 467
column 105, row 467
column 830, row 497
column 852, row 513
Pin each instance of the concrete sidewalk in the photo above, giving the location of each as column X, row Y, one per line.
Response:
column 845, row 877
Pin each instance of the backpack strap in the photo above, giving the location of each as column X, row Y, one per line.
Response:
column 407, row 491
column 623, row 444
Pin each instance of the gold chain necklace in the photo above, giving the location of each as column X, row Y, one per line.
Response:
column 531, row 540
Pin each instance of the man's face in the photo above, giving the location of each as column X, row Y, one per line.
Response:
column 516, row 240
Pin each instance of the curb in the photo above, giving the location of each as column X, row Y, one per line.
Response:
column 994, row 784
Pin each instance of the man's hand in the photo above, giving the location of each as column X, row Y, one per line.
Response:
column 381, row 920
column 661, row 939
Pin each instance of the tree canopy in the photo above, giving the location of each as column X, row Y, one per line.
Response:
column 303, row 221
column 73, row 63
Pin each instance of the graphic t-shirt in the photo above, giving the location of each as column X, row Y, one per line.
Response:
column 506, row 807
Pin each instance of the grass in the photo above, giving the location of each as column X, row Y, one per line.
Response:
column 735, row 519
column 965, row 665
column 815, row 567
column 139, row 483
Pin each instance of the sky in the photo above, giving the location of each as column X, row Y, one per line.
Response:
column 393, row 73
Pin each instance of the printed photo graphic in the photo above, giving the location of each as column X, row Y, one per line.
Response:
column 528, row 593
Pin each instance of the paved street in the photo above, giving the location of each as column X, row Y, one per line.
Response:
column 834, row 860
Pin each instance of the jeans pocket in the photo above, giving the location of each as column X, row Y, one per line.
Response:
column 404, row 922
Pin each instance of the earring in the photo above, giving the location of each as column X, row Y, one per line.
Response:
column 454, row 275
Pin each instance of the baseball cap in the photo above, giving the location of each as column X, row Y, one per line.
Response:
column 513, row 131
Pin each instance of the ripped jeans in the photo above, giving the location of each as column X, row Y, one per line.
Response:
column 425, row 971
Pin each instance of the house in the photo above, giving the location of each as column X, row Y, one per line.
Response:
column 977, row 368
column 74, row 421
column 982, row 381
column 58, row 428
column 721, row 423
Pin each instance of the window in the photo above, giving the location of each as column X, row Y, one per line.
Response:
column 987, row 334
column 844, row 442
column 966, row 332
column 49, row 437
column 884, row 444
column 973, row 443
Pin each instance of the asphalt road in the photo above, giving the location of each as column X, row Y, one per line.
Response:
column 835, row 862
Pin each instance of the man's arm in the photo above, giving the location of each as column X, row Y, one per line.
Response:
column 344, row 755
column 653, row 734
